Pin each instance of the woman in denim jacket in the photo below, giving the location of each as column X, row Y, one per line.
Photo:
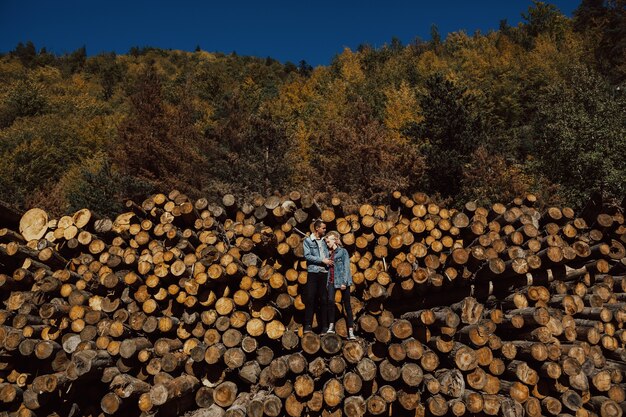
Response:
column 339, row 278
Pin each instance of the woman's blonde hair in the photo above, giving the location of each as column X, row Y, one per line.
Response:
column 335, row 234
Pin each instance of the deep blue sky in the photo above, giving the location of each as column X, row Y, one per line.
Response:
column 285, row 30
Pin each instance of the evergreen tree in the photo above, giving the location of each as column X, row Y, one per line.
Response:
column 542, row 18
column 605, row 22
column 75, row 61
column 589, row 14
column 451, row 130
column 25, row 53
column 581, row 137
column 304, row 68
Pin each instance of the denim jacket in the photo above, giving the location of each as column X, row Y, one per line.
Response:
column 343, row 275
column 314, row 259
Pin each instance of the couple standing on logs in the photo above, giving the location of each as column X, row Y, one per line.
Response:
column 328, row 270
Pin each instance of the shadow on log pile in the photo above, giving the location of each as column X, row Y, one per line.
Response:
column 180, row 307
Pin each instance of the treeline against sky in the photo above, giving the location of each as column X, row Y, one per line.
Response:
column 540, row 108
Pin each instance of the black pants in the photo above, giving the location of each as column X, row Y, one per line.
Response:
column 316, row 298
column 345, row 300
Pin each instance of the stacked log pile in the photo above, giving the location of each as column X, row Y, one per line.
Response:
column 193, row 307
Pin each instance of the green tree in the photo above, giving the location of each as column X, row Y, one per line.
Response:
column 97, row 185
column 304, row 68
column 46, row 58
column 26, row 53
column 581, row 137
column 75, row 61
column 542, row 18
column 106, row 66
column 35, row 152
column 435, row 36
column 24, row 99
column 396, row 45
column 248, row 148
column 604, row 21
column 451, row 130
column 589, row 14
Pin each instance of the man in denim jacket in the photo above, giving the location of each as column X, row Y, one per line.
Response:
column 318, row 259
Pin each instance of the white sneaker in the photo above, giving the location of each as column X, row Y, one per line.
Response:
column 351, row 335
column 331, row 329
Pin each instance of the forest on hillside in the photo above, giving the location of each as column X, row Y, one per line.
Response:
column 539, row 107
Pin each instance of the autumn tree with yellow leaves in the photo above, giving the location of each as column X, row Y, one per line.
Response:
column 536, row 107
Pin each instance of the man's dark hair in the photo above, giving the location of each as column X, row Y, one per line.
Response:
column 317, row 223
